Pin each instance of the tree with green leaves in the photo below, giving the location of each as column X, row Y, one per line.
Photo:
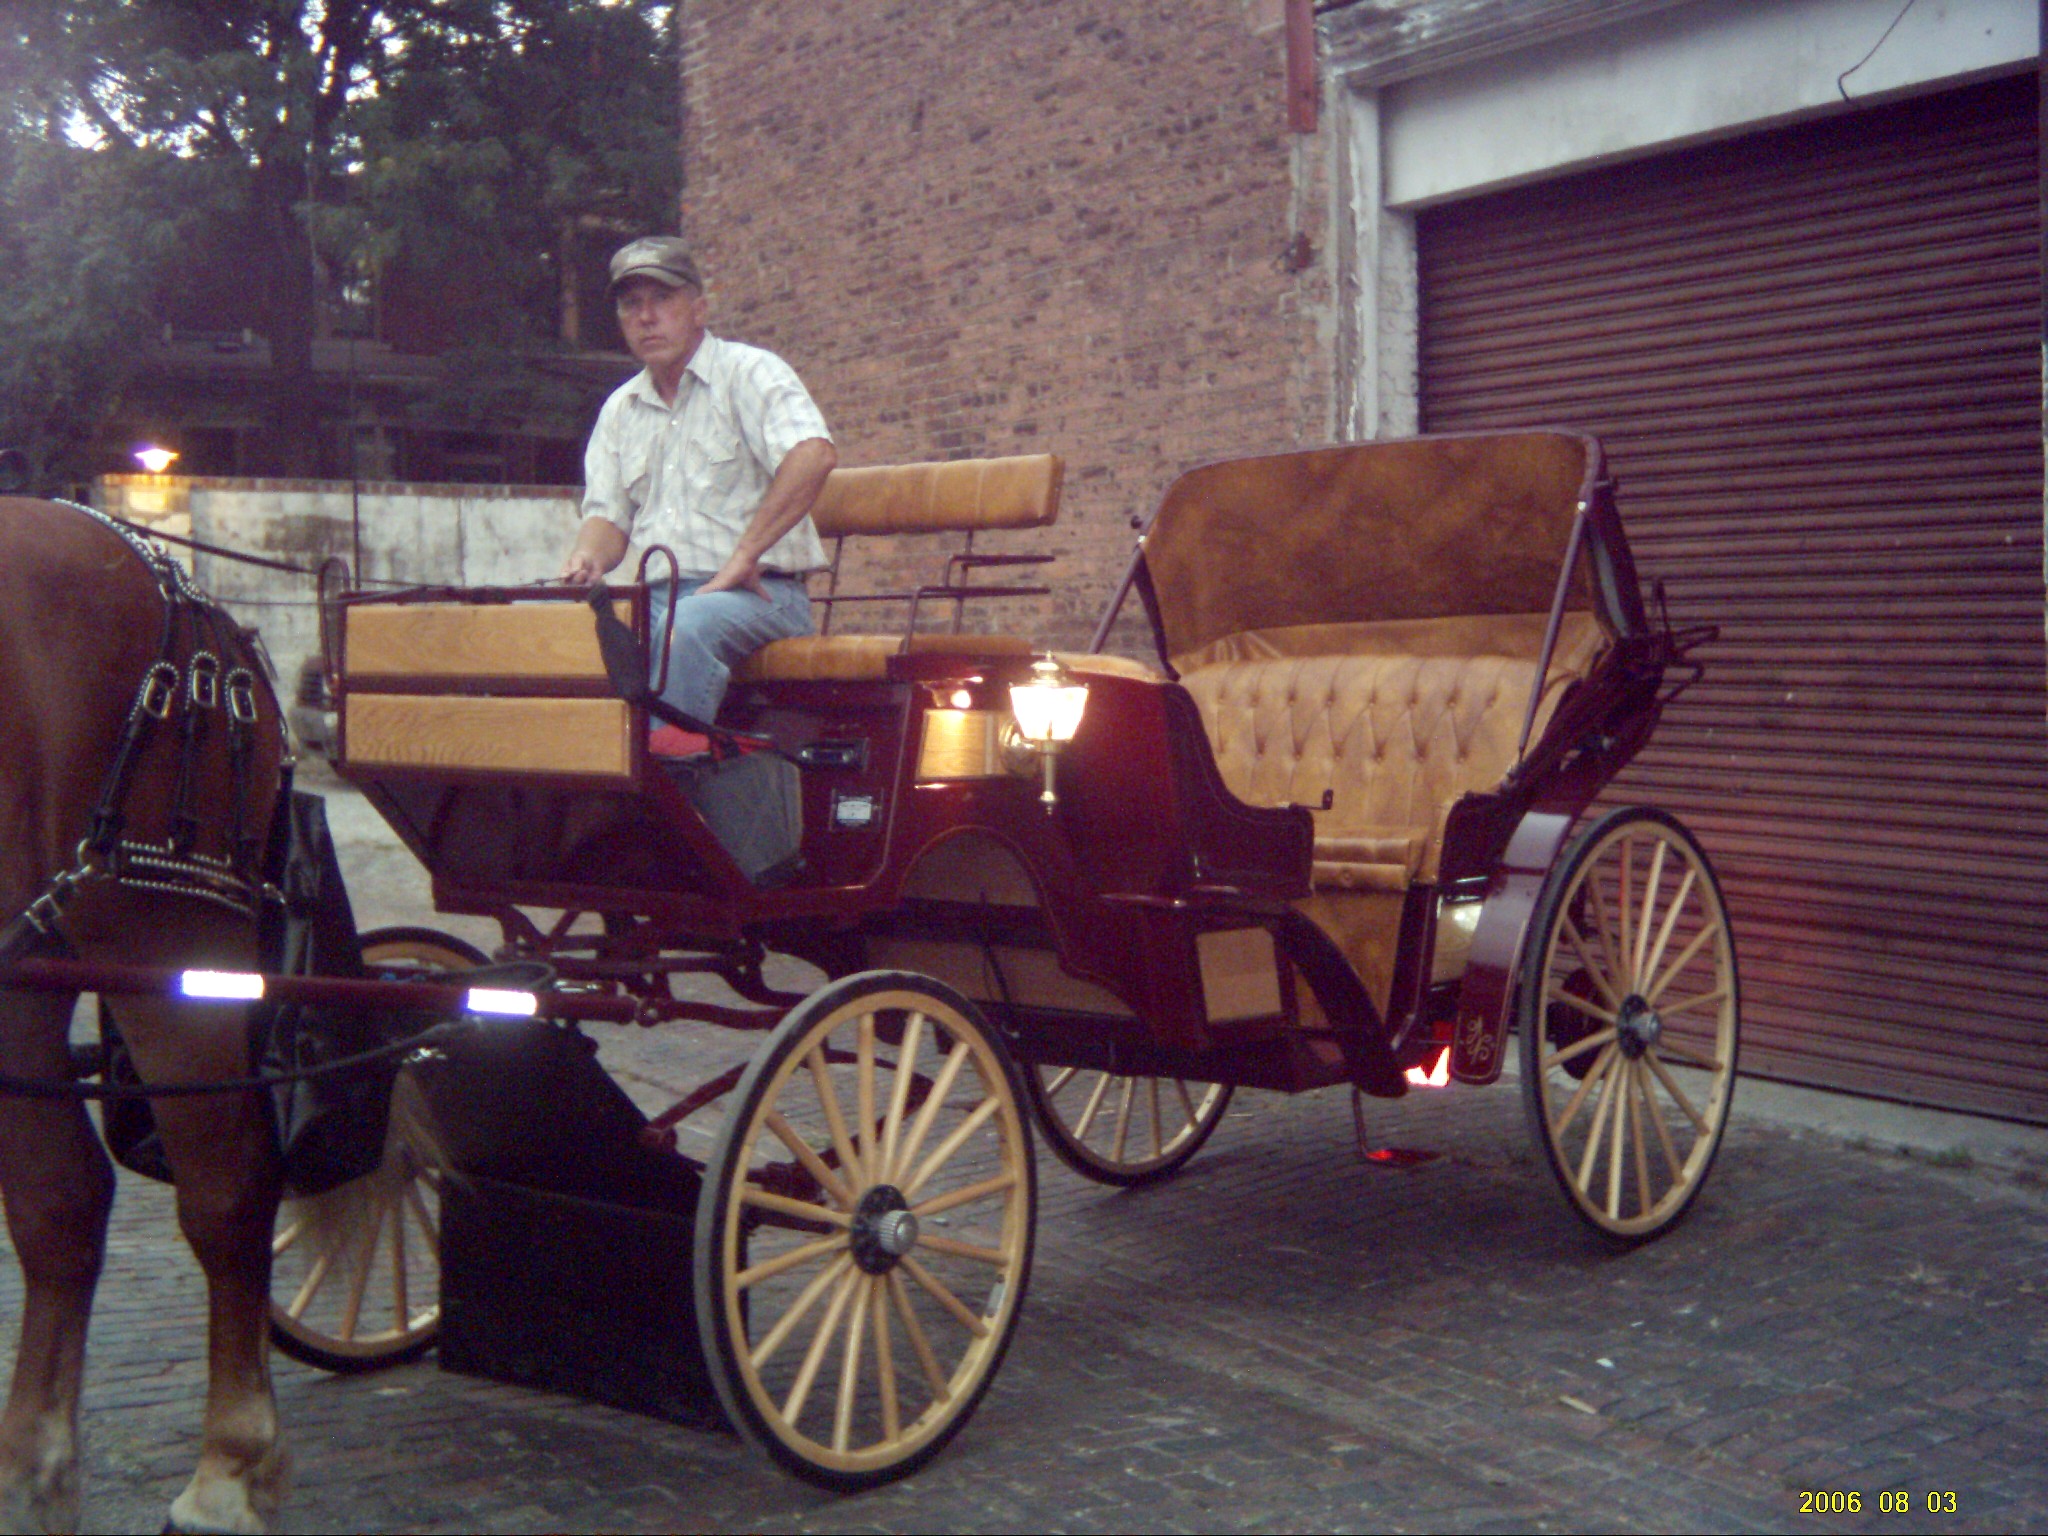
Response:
column 267, row 163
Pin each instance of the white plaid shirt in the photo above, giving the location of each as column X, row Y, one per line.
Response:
column 692, row 477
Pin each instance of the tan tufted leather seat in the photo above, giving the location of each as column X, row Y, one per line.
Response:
column 1396, row 720
column 1396, row 725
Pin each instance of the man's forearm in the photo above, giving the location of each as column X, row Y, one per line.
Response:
column 600, row 545
column 798, row 479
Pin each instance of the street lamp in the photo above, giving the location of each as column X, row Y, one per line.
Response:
column 155, row 459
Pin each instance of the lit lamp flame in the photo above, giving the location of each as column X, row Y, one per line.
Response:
column 156, row 460
column 1048, row 711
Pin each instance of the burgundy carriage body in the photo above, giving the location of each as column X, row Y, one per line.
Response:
column 1300, row 849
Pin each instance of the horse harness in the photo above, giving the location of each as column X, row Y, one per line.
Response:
column 212, row 686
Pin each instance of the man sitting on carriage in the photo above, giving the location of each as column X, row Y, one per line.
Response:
column 716, row 450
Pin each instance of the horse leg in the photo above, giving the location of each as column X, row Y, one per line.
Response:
column 59, row 1188
column 222, row 1154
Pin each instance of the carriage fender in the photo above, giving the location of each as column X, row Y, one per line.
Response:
column 1479, row 1038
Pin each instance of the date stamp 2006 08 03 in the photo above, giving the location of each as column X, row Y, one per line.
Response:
column 1889, row 1501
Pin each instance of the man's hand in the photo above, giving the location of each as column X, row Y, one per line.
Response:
column 600, row 545
column 742, row 570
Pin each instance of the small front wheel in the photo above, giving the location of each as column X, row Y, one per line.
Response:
column 1628, row 1011
column 1123, row 1130
column 864, row 1234
column 355, row 1274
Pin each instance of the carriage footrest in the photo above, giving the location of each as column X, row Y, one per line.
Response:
column 572, row 1295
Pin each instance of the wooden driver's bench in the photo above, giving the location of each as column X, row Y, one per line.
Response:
column 966, row 496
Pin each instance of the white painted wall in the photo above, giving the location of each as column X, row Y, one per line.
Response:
column 460, row 535
column 1700, row 71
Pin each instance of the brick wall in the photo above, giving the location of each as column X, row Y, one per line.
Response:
column 1017, row 226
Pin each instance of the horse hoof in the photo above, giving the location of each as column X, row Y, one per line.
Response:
column 231, row 1515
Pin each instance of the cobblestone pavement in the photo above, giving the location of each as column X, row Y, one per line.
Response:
column 1280, row 1338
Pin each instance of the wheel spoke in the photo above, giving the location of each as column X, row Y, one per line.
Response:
column 1624, row 904
column 764, row 1351
column 768, row 1268
column 942, row 1088
column 1593, row 1137
column 1158, row 1124
column 885, row 1359
column 400, row 1309
column 430, row 1229
column 1604, row 922
column 963, row 1195
column 1180, row 1087
column 813, row 1164
column 802, row 1210
column 849, row 1367
column 1671, row 916
column 899, row 1092
column 807, row 1373
column 1624, row 1081
column 1703, row 1000
column 316, row 1276
column 1582, row 1005
column 1123, row 1120
column 1672, row 1088
column 1586, row 1085
column 913, row 1330
column 1651, row 887
column 288, row 1236
column 953, row 1142
column 1664, row 1142
column 1060, row 1079
column 938, row 1291
column 1636, row 1093
column 1094, row 1103
column 1677, row 967
column 1579, row 1048
column 835, row 1121
column 1591, row 966
column 864, row 1097
column 938, row 1244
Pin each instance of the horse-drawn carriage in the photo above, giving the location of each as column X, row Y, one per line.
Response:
column 1334, row 833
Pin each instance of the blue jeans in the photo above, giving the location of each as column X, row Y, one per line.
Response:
column 716, row 631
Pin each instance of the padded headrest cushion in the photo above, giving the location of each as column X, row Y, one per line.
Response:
column 962, row 496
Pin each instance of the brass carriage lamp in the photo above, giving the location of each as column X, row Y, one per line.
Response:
column 1048, row 711
column 156, row 460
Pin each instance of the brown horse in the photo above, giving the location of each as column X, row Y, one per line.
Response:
column 83, row 623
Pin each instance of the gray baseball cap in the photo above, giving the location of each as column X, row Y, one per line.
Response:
column 664, row 258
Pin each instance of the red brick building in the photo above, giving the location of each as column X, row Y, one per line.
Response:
column 1078, row 226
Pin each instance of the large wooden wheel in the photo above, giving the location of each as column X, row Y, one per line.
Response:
column 1123, row 1130
column 355, row 1276
column 864, row 1235
column 1628, row 1007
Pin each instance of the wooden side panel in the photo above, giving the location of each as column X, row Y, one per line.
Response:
column 1240, row 974
column 546, row 736
column 531, row 640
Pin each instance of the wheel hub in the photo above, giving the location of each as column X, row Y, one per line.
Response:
column 884, row 1229
column 1637, row 1027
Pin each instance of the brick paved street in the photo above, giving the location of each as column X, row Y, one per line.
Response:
column 1281, row 1338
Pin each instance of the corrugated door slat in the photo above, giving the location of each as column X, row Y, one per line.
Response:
column 1813, row 356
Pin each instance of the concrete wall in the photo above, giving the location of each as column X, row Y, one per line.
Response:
column 468, row 535
column 1697, row 72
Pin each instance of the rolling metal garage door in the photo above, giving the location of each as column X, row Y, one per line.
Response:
column 1813, row 356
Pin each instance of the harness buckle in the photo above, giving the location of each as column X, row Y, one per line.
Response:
column 242, row 695
column 203, row 681
column 159, row 688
